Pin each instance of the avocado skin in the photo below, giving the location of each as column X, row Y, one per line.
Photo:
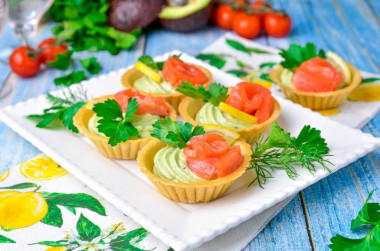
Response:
column 129, row 15
column 189, row 23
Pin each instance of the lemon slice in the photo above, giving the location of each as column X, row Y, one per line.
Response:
column 41, row 167
column 228, row 134
column 148, row 71
column 340, row 65
column 237, row 113
column 4, row 176
column 264, row 83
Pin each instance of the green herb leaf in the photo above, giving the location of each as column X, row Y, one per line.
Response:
column 80, row 200
column 175, row 133
column 238, row 46
column 268, row 64
column 113, row 124
column 215, row 94
column 62, row 62
column 123, row 242
column 53, row 216
column 70, row 79
column 217, row 60
column 148, row 60
column 72, row 210
column 91, row 65
column 4, row 239
column 368, row 215
column 297, row 54
column 238, row 73
column 86, row 229
column 63, row 109
column 280, row 151
column 369, row 80
column 21, row 186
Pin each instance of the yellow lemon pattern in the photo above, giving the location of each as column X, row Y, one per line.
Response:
column 4, row 176
column 56, row 249
column 19, row 210
column 41, row 168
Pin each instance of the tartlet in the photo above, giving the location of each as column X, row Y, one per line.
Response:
column 190, row 192
column 317, row 100
column 189, row 108
column 123, row 150
column 129, row 77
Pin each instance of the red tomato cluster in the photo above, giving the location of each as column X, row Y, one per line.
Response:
column 247, row 20
column 26, row 61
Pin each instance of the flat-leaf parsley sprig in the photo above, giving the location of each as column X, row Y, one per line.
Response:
column 64, row 108
column 215, row 94
column 296, row 55
column 280, row 151
column 113, row 123
column 368, row 215
column 175, row 133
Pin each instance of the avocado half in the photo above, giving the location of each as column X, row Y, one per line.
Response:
column 192, row 16
column 129, row 15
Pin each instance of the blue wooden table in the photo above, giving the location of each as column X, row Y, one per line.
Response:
column 350, row 28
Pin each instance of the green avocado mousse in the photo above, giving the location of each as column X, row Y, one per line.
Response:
column 247, row 108
column 193, row 164
column 146, row 84
column 119, row 124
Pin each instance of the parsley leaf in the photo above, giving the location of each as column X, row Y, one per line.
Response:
column 296, row 55
column 84, row 26
column 368, row 215
column 175, row 133
column 72, row 78
column 62, row 62
column 63, row 109
column 113, row 123
column 280, row 151
column 148, row 60
column 91, row 65
column 215, row 94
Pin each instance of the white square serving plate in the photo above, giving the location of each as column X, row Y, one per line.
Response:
column 178, row 225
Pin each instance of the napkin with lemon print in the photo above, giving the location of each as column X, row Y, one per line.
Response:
column 43, row 207
column 252, row 62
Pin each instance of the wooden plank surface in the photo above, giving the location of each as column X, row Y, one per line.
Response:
column 349, row 27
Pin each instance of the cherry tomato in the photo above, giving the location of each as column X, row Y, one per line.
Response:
column 247, row 26
column 25, row 62
column 49, row 49
column 277, row 25
column 261, row 3
column 223, row 16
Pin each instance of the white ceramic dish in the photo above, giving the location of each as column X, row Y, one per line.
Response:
column 181, row 226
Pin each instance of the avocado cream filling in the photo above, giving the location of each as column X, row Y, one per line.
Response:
column 146, row 84
column 170, row 164
column 143, row 124
column 210, row 114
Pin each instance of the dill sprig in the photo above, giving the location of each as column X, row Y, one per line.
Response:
column 279, row 151
column 63, row 108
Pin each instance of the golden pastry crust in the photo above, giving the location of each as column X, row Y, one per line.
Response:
column 190, row 192
column 317, row 100
column 130, row 76
column 123, row 150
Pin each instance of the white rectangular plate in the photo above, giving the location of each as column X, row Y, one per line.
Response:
column 178, row 225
